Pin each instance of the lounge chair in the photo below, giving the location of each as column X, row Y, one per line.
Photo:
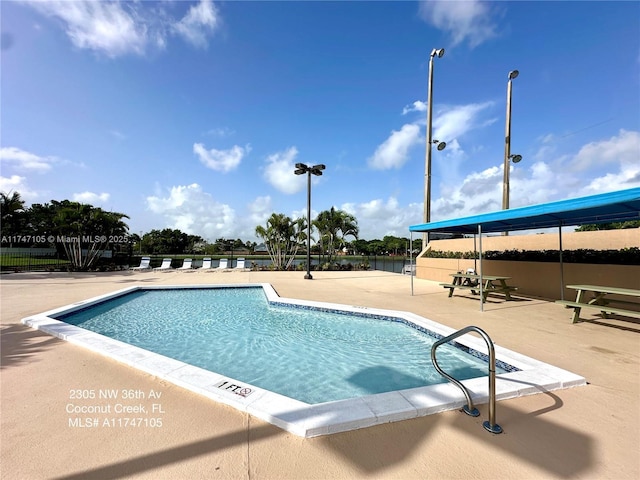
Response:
column 240, row 264
column 223, row 264
column 186, row 265
column 206, row 263
column 144, row 264
column 166, row 265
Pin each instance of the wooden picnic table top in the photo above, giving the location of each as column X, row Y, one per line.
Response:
column 602, row 289
column 476, row 276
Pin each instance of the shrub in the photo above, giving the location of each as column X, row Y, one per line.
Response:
column 625, row 256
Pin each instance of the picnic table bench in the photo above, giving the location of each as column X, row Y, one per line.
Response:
column 601, row 301
column 471, row 281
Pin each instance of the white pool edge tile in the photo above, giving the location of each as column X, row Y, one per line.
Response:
column 298, row 417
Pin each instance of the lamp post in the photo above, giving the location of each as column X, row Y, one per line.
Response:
column 440, row 145
column 301, row 169
column 507, row 145
column 507, row 148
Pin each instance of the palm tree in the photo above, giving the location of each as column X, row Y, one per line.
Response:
column 87, row 231
column 12, row 214
column 283, row 237
column 334, row 226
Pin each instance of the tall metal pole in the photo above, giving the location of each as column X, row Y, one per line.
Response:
column 507, row 147
column 427, row 175
column 507, row 151
column 507, row 144
column 301, row 169
column 308, row 275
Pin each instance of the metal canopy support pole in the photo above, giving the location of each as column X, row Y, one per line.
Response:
column 481, row 269
column 411, row 260
column 561, row 264
column 475, row 260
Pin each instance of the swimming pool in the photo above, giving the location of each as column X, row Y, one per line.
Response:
column 310, row 354
column 308, row 414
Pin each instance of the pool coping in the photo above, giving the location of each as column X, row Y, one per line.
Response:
column 300, row 418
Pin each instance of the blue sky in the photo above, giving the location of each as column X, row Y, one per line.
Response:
column 191, row 115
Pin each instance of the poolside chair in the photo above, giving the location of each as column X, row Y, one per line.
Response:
column 223, row 264
column 144, row 264
column 240, row 264
column 186, row 265
column 166, row 265
column 206, row 263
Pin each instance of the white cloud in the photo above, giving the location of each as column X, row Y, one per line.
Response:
column 221, row 160
column 200, row 21
column 193, row 211
column 623, row 148
column 118, row 135
column 470, row 20
column 23, row 160
column 377, row 218
column 116, row 28
column 394, row 151
column 107, row 27
column 453, row 122
column 221, row 132
column 279, row 171
column 416, row 106
column 450, row 124
column 619, row 155
column 598, row 167
column 16, row 183
column 91, row 198
column 260, row 210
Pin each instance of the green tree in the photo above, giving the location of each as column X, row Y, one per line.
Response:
column 170, row 241
column 395, row 245
column 361, row 247
column 251, row 246
column 608, row 226
column 84, row 232
column 40, row 219
column 13, row 216
column 283, row 238
column 333, row 226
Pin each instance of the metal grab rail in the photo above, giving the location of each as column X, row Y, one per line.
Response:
column 469, row 408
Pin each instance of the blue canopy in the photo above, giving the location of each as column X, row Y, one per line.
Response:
column 620, row 206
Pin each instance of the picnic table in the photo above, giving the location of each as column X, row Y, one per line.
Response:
column 601, row 300
column 471, row 281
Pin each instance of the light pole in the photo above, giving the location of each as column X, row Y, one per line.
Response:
column 507, row 148
column 301, row 169
column 440, row 145
column 507, row 145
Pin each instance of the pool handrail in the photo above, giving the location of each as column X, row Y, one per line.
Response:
column 469, row 409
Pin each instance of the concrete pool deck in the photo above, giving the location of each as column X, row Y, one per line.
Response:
column 585, row 432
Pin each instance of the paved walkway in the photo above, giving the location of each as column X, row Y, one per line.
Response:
column 584, row 432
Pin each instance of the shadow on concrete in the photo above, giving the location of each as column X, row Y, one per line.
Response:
column 138, row 280
column 19, row 343
column 151, row 461
column 603, row 322
column 351, row 277
column 529, row 437
column 375, row 449
column 367, row 448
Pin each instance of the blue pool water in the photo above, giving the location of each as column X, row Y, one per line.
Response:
column 307, row 354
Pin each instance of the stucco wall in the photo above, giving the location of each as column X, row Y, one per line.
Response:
column 598, row 240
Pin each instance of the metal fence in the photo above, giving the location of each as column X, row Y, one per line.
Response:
column 39, row 260
column 43, row 260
